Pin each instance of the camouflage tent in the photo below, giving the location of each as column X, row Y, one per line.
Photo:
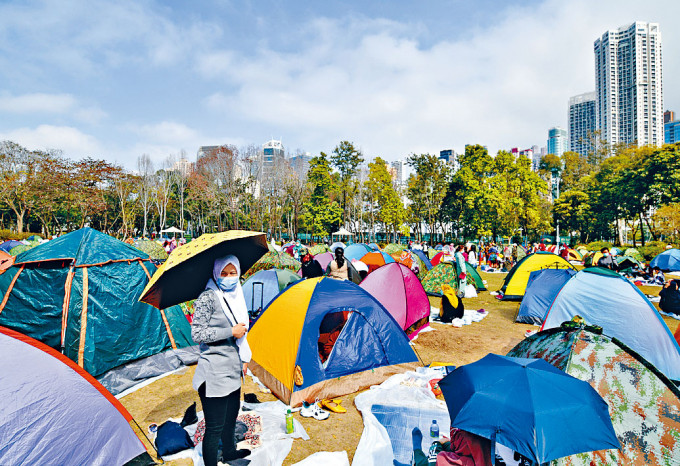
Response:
column 273, row 260
column 152, row 248
column 644, row 405
column 394, row 248
column 447, row 273
column 16, row 250
column 318, row 249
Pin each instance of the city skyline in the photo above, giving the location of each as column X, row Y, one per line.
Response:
column 116, row 81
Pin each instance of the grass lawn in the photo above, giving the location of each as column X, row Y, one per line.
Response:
column 497, row 333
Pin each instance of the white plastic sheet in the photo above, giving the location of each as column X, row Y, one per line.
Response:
column 326, row 458
column 411, row 392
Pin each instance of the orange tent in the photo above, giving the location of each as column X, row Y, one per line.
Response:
column 376, row 259
column 6, row 261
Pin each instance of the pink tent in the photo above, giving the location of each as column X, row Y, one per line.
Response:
column 323, row 259
column 400, row 292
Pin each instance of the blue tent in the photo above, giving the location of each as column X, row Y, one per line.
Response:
column 606, row 299
column 668, row 261
column 374, row 246
column 356, row 251
column 9, row 244
column 261, row 289
column 423, row 257
column 322, row 338
column 542, row 288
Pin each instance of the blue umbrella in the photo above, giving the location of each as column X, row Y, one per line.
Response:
column 528, row 405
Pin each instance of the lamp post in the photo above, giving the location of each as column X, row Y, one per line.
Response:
column 555, row 181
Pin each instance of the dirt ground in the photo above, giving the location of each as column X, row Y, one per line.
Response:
column 497, row 333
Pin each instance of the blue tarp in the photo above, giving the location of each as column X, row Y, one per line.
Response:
column 542, row 288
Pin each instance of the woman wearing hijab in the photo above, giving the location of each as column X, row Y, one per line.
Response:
column 220, row 325
column 338, row 266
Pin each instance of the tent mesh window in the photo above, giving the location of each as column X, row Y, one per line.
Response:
column 329, row 331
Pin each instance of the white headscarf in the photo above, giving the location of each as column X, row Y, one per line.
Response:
column 233, row 303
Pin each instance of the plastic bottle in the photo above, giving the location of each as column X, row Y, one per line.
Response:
column 434, row 430
column 290, row 428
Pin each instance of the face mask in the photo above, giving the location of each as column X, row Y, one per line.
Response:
column 227, row 283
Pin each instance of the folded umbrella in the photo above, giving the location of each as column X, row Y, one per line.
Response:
column 186, row 272
column 528, row 405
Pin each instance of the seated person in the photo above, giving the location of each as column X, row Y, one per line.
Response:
column 607, row 260
column 310, row 267
column 658, row 278
column 670, row 297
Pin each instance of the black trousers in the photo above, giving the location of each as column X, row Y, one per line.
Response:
column 220, row 418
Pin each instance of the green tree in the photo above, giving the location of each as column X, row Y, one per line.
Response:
column 572, row 209
column 346, row 158
column 427, row 188
column 391, row 210
column 322, row 215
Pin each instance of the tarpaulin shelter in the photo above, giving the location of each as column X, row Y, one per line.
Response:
column 604, row 298
column 260, row 289
column 273, row 260
column 668, row 261
column 542, row 288
column 356, row 251
column 400, row 292
column 78, row 293
column 644, row 405
column 515, row 283
column 53, row 412
column 324, row 337
column 376, row 259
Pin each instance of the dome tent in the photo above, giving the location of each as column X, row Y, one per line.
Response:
column 50, row 403
column 78, row 293
column 604, row 298
column 260, row 289
column 542, row 288
column 515, row 283
column 644, row 405
column 398, row 289
column 335, row 320
column 668, row 261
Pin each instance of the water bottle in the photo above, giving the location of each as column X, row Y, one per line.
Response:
column 434, row 431
column 290, row 428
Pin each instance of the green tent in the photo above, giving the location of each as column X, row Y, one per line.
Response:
column 318, row 249
column 447, row 273
column 634, row 253
column 16, row 250
column 273, row 260
column 78, row 294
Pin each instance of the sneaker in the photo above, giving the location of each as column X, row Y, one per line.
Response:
column 313, row 410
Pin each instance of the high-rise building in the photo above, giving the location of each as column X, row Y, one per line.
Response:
column 205, row 150
column 582, row 123
column 628, row 83
column 300, row 164
column 449, row 156
column 557, row 141
column 273, row 156
column 672, row 132
column 668, row 116
column 183, row 166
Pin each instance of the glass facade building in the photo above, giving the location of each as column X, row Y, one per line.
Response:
column 582, row 123
column 557, row 141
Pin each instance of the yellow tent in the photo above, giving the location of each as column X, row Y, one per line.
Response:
column 515, row 283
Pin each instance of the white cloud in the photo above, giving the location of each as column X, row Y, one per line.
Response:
column 167, row 132
column 37, row 103
column 375, row 83
column 71, row 141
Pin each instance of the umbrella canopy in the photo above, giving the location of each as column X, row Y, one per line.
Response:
column 184, row 275
column 529, row 406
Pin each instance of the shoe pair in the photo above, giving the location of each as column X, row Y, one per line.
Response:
column 313, row 410
column 333, row 404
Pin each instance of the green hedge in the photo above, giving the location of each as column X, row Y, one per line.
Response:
column 9, row 234
column 598, row 245
column 651, row 249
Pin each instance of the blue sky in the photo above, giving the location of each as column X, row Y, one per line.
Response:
column 115, row 80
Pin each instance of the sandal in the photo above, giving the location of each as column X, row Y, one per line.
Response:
column 333, row 405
